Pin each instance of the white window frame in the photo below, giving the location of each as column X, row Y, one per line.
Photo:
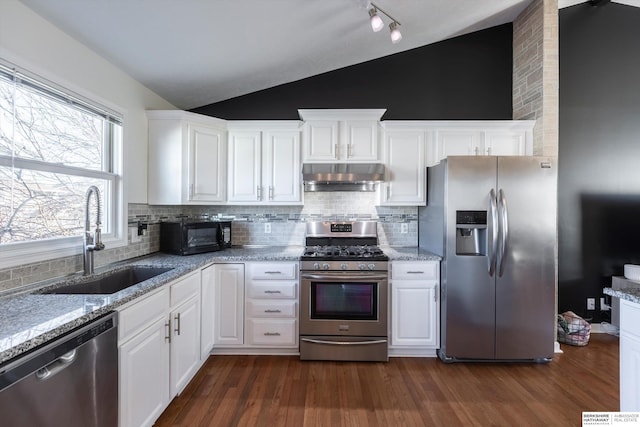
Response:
column 22, row 253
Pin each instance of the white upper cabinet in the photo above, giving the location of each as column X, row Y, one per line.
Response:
column 482, row 138
column 186, row 159
column 341, row 135
column 264, row 163
column 404, row 147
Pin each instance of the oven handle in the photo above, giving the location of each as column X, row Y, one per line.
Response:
column 343, row 342
column 343, row 276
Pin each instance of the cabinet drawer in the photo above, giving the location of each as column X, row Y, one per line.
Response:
column 266, row 308
column 139, row 315
column 184, row 289
column 275, row 289
column 272, row 332
column 415, row 270
column 630, row 318
column 272, row 270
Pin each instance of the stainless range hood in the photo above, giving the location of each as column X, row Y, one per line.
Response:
column 342, row 176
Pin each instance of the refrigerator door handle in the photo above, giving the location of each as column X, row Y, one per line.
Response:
column 504, row 232
column 493, row 244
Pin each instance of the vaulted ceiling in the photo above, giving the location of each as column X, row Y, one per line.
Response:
column 197, row 52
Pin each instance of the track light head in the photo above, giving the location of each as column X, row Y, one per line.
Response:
column 396, row 36
column 376, row 21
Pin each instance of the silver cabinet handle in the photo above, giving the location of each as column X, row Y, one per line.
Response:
column 259, row 192
column 476, row 151
column 271, row 334
column 343, row 342
column 415, row 272
column 270, row 192
column 489, row 151
column 337, row 155
column 271, row 292
column 177, row 326
column 349, row 151
column 273, row 272
column 167, row 328
column 272, row 311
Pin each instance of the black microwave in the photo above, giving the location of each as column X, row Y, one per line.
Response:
column 194, row 237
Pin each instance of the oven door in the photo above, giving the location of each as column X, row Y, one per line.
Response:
column 343, row 304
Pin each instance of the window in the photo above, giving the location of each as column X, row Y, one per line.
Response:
column 53, row 146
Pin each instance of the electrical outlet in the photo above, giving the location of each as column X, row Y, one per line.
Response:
column 267, row 227
column 603, row 304
column 404, row 228
column 591, row 303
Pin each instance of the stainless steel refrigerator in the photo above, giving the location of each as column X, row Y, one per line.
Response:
column 493, row 221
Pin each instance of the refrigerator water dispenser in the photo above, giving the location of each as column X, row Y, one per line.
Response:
column 471, row 233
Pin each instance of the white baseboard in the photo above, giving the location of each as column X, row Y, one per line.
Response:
column 604, row 328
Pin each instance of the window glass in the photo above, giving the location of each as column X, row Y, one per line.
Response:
column 53, row 146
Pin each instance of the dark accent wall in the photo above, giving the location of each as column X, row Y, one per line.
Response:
column 599, row 151
column 463, row 78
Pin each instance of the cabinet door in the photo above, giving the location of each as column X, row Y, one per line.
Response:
column 629, row 356
column 244, row 177
column 321, row 141
column 505, row 143
column 404, row 157
column 229, row 304
column 185, row 344
column 414, row 313
column 361, row 141
column 144, row 376
column 207, row 312
column 207, row 165
column 458, row 142
column 629, row 373
column 281, row 167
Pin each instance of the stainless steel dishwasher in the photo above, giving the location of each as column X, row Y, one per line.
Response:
column 72, row 381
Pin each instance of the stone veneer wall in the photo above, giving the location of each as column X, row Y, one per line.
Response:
column 287, row 228
column 536, row 73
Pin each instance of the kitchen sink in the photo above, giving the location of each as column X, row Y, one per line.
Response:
column 111, row 282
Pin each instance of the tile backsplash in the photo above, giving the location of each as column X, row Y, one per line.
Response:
column 287, row 228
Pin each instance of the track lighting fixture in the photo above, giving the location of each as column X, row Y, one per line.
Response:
column 395, row 32
column 377, row 23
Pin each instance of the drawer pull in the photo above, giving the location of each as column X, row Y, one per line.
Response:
column 271, row 292
column 415, row 272
column 273, row 272
column 272, row 334
column 272, row 311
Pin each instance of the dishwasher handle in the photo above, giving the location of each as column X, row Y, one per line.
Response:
column 56, row 366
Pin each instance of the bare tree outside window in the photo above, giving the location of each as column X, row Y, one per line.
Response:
column 51, row 151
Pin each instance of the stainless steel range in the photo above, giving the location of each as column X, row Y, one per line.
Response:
column 344, row 293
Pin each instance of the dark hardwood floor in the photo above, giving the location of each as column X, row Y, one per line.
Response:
column 283, row 391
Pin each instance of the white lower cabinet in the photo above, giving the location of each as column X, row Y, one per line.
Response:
column 158, row 349
column 415, row 308
column 256, row 308
column 185, row 332
column 228, row 305
column 144, row 361
column 629, row 356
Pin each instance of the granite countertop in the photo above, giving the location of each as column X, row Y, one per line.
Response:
column 409, row 254
column 29, row 319
column 629, row 294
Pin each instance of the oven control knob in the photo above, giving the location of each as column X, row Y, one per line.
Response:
column 371, row 266
column 362, row 266
column 344, row 266
column 316, row 266
column 325, row 266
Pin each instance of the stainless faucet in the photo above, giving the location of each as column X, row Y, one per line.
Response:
column 91, row 243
